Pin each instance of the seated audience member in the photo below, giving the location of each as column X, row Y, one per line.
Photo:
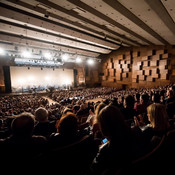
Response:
column 170, row 96
column 128, row 111
column 43, row 127
column 66, row 109
column 159, row 125
column 92, row 120
column 162, row 96
column 170, row 108
column 75, row 109
column 141, row 108
column 170, row 102
column 121, row 145
column 83, row 113
column 137, row 99
column 22, row 145
column 156, row 97
column 67, row 131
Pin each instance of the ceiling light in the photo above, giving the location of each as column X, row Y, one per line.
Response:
column 90, row 61
column 47, row 55
column 79, row 10
column 26, row 54
column 78, row 60
column 65, row 57
column 2, row 52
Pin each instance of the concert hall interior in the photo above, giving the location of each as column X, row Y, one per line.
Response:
column 89, row 81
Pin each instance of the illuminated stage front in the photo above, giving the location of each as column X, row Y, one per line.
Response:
column 27, row 78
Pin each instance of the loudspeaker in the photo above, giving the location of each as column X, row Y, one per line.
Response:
column 75, row 79
column 75, row 71
column 101, row 74
column 7, row 79
column 86, row 70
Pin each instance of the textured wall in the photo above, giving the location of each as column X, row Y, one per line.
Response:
column 139, row 67
column 2, row 85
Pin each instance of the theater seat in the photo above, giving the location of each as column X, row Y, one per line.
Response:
column 150, row 163
column 71, row 159
column 169, row 150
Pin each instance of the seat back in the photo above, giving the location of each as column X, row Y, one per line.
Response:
column 169, row 150
column 74, row 158
column 170, row 141
column 150, row 162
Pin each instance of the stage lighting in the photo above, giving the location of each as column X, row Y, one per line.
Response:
column 65, row 57
column 47, row 78
column 26, row 54
column 21, row 81
column 90, row 61
column 78, row 60
column 30, row 78
column 2, row 52
column 47, row 55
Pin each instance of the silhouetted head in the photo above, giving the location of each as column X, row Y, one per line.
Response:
column 23, row 124
column 41, row 114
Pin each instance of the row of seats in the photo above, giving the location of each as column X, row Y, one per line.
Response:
column 159, row 160
column 72, row 159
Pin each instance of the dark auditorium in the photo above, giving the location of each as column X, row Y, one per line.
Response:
column 87, row 87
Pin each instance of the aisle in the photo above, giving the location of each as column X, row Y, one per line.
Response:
column 50, row 100
column 95, row 100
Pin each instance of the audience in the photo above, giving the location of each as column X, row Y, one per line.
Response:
column 43, row 126
column 31, row 126
column 121, row 145
column 141, row 108
column 128, row 110
column 158, row 125
column 170, row 96
column 22, row 145
column 67, row 131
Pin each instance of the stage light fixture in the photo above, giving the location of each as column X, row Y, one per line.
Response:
column 78, row 60
column 47, row 55
column 65, row 57
column 90, row 61
column 2, row 51
column 26, row 54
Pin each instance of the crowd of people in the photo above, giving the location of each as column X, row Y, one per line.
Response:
column 122, row 125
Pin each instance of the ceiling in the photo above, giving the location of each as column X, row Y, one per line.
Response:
column 86, row 28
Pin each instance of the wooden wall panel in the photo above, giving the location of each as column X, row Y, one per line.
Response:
column 104, row 78
column 1, row 76
column 147, row 72
column 150, row 79
column 146, row 63
column 142, row 77
column 112, row 72
column 154, row 63
column 144, row 66
column 165, row 56
column 164, row 76
column 144, row 58
column 162, row 51
column 106, row 72
column 155, row 57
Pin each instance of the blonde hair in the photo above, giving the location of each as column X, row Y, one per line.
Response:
column 158, row 116
column 98, row 108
